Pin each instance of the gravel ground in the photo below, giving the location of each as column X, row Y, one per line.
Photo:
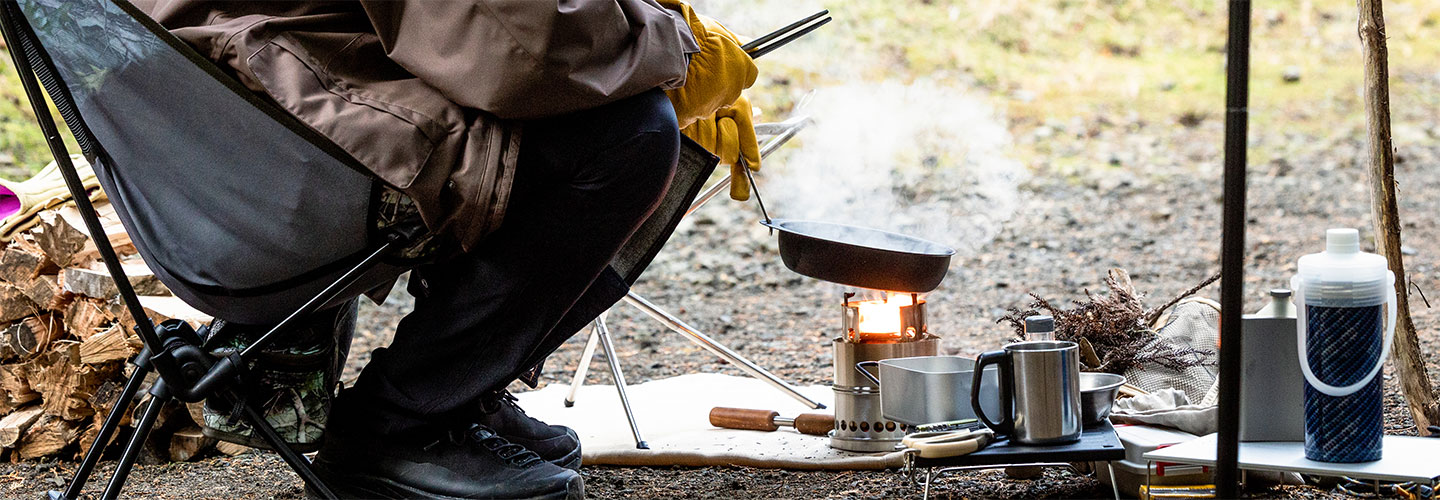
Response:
column 1148, row 202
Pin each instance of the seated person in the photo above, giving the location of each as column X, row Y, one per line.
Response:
column 533, row 138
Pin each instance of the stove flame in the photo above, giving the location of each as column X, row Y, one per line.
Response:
column 879, row 319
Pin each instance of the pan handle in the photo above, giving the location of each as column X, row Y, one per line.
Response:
column 755, row 189
column 860, row 367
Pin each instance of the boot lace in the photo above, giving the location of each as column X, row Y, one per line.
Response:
column 498, row 399
column 514, row 454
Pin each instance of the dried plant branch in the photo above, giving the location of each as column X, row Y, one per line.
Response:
column 1156, row 312
column 1116, row 325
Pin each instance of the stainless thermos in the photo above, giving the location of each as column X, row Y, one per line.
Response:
column 1040, row 388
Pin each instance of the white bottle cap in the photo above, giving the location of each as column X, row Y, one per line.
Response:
column 1342, row 240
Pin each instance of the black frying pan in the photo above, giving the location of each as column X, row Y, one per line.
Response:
column 857, row 256
column 861, row 257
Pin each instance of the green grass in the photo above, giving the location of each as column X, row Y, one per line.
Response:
column 23, row 149
column 1160, row 60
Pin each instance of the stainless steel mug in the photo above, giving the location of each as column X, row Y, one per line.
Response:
column 1039, row 392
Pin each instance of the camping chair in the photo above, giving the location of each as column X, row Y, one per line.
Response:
column 241, row 210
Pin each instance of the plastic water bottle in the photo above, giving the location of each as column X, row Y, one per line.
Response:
column 1344, row 330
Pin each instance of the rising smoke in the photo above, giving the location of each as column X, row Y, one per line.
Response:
column 921, row 159
column 926, row 158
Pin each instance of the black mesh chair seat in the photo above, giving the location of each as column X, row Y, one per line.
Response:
column 240, row 209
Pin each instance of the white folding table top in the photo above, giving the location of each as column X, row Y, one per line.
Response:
column 1405, row 458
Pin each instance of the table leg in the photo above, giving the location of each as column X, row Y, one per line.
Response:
column 1148, row 466
column 1114, row 486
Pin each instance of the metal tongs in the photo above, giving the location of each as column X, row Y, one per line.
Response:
column 763, row 45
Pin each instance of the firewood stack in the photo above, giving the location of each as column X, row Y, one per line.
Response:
column 65, row 338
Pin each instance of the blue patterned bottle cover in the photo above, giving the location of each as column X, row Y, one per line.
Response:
column 1342, row 345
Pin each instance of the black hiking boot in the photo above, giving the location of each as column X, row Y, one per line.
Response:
column 557, row 444
column 474, row 462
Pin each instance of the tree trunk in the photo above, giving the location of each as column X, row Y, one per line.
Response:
column 1409, row 364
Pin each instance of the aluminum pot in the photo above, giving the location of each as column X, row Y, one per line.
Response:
column 1097, row 396
column 928, row 389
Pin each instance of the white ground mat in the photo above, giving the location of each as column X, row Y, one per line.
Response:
column 674, row 420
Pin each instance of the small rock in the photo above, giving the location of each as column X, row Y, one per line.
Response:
column 1167, row 85
column 1291, row 74
column 1408, row 250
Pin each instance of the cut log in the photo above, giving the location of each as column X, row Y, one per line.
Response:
column 8, row 353
column 32, row 335
column 19, row 265
column 46, row 293
column 60, row 241
column 14, row 304
column 114, row 344
column 97, row 283
column 47, row 437
column 106, row 396
column 189, row 443
column 62, row 236
column 66, row 385
column 159, row 308
column 87, row 436
column 119, row 238
column 163, row 307
column 16, row 423
column 86, row 317
column 230, row 449
column 15, row 384
column 196, row 411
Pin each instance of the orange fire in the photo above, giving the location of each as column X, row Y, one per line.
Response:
column 880, row 318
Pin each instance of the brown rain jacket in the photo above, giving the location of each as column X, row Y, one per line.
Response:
column 429, row 94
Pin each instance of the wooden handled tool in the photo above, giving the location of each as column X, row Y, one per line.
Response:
column 817, row 424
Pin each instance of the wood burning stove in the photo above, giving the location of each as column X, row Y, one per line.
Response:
column 877, row 325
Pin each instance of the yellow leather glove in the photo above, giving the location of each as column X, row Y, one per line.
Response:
column 716, row 74
column 730, row 134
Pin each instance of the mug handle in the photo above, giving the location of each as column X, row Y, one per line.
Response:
column 1002, row 359
column 860, row 367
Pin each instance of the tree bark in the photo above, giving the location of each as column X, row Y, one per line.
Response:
column 1409, row 364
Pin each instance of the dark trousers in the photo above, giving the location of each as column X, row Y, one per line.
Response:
column 585, row 181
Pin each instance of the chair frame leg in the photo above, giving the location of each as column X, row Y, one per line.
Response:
column 716, row 348
column 600, row 334
column 584, row 367
column 294, row 459
column 111, row 424
column 159, row 395
column 603, row 331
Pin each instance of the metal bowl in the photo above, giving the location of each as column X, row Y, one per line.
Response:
column 1097, row 395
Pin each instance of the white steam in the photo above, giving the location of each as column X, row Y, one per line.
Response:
column 919, row 159
column 925, row 158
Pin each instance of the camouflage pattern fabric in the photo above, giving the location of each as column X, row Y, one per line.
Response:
column 292, row 381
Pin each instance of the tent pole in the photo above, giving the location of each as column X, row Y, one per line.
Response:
column 1232, row 253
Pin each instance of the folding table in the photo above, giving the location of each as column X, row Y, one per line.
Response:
column 1098, row 443
column 1406, row 459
